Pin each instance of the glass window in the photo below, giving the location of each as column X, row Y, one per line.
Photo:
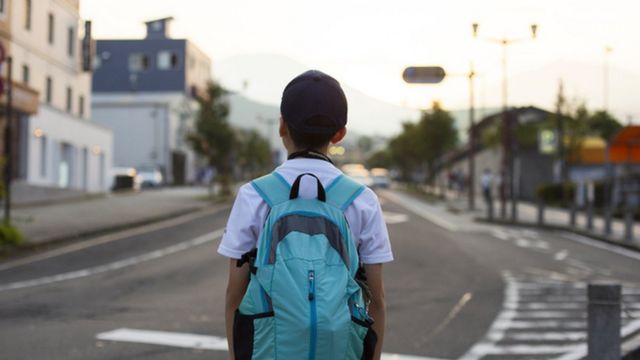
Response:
column 49, row 89
column 81, row 106
column 69, row 99
column 71, row 41
column 138, row 62
column 167, row 60
column 51, row 28
column 27, row 18
column 25, row 74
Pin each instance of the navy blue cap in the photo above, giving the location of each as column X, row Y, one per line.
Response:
column 314, row 103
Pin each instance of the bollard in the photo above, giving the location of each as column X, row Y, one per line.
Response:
column 540, row 212
column 628, row 224
column 604, row 323
column 590, row 216
column 607, row 221
column 490, row 209
column 572, row 215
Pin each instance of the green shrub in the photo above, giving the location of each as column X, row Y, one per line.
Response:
column 556, row 193
column 10, row 236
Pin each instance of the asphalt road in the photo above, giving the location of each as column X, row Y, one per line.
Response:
column 483, row 292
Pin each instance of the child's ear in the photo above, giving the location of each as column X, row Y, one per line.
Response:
column 339, row 135
column 282, row 130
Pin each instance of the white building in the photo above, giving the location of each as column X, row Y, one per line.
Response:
column 57, row 145
column 144, row 90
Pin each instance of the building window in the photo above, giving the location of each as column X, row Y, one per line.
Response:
column 71, row 41
column 138, row 62
column 27, row 17
column 69, row 99
column 51, row 28
column 167, row 60
column 81, row 106
column 43, row 156
column 49, row 90
column 25, row 74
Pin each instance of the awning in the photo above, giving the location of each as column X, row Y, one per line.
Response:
column 625, row 147
column 25, row 99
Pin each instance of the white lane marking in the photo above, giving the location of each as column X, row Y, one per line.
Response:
column 466, row 297
column 116, row 265
column 107, row 238
column 418, row 208
column 549, row 314
column 195, row 341
column 524, row 349
column 561, row 255
column 580, row 351
column 547, row 336
column 601, row 245
column 504, row 319
column 192, row 341
column 521, row 324
column 550, row 306
column 394, row 218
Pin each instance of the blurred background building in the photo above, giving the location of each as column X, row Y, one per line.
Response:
column 55, row 144
column 144, row 90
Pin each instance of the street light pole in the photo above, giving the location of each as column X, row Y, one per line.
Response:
column 472, row 140
column 508, row 131
column 605, row 88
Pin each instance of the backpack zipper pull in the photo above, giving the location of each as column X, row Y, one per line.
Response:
column 312, row 285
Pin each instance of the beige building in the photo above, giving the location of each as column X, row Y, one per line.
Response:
column 57, row 144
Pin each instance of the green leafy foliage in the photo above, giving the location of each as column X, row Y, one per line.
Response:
column 253, row 153
column 422, row 144
column 10, row 236
column 213, row 137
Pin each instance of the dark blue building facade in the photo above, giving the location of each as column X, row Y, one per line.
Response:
column 154, row 64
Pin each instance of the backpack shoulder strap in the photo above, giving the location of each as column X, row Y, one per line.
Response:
column 342, row 191
column 273, row 188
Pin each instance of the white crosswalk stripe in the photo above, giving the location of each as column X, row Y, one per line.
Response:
column 546, row 319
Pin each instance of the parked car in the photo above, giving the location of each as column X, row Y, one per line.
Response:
column 149, row 178
column 123, row 178
column 380, row 177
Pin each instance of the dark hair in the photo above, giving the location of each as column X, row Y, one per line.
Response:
column 310, row 141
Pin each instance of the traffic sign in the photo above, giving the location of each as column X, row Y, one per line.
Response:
column 423, row 74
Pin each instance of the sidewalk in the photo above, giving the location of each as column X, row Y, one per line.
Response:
column 47, row 223
column 554, row 218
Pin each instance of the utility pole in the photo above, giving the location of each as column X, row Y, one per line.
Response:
column 472, row 140
column 8, row 144
column 508, row 130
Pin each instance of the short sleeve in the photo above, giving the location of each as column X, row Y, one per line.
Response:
column 245, row 223
column 370, row 229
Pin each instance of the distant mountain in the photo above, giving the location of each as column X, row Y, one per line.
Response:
column 262, row 77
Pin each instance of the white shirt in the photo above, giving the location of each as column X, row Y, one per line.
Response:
column 364, row 215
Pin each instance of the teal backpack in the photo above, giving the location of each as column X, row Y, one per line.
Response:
column 305, row 299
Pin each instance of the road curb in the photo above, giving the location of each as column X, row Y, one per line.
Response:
column 570, row 229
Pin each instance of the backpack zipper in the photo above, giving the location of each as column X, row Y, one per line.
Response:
column 313, row 315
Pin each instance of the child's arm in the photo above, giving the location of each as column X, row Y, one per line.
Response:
column 377, row 307
column 236, row 288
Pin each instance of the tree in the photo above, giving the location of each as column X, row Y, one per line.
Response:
column 253, row 153
column 603, row 124
column 437, row 134
column 424, row 144
column 213, row 137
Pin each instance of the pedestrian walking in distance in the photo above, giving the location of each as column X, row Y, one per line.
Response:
column 307, row 244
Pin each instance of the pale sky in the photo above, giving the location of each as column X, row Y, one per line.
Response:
column 367, row 44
